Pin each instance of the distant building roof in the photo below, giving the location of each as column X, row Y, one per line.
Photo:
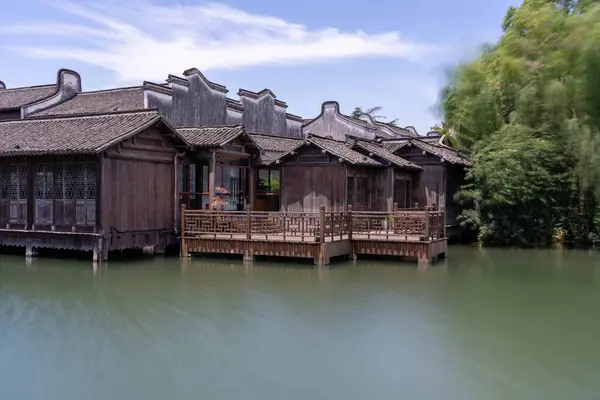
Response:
column 18, row 97
column 211, row 136
column 99, row 102
column 382, row 152
column 83, row 134
column 431, row 145
column 275, row 144
column 334, row 147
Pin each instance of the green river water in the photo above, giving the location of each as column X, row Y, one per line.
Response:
column 483, row 324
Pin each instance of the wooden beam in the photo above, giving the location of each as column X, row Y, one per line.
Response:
column 157, row 160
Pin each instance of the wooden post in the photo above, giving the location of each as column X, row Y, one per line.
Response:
column 175, row 189
column 322, row 223
column 184, row 249
column 212, row 167
column 427, row 223
column 248, row 221
column 394, row 216
column 252, row 185
column 350, row 225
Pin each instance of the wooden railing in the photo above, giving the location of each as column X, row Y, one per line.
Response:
column 313, row 227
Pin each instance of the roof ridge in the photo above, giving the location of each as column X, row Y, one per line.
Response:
column 85, row 115
column 112, row 89
column 28, row 87
column 273, row 136
column 210, row 126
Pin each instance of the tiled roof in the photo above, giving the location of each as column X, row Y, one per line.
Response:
column 18, row 97
column 433, row 147
column 99, row 102
column 380, row 151
column 338, row 149
column 211, row 136
column 88, row 134
column 275, row 144
column 395, row 145
column 396, row 129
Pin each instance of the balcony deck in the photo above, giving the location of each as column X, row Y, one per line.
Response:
column 418, row 234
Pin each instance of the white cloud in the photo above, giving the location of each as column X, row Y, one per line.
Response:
column 136, row 39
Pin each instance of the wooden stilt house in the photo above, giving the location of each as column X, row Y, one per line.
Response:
column 88, row 182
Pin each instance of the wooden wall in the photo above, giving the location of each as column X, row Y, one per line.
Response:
column 431, row 184
column 138, row 186
column 370, row 189
column 307, row 187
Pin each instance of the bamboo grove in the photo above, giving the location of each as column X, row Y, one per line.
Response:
column 528, row 110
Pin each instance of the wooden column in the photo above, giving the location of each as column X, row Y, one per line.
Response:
column 99, row 196
column 352, row 254
column 249, row 222
column 184, row 249
column 30, row 206
column 350, row 225
column 390, row 197
column 249, row 249
column 252, row 185
column 427, row 223
column 322, row 257
column 175, row 191
column 212, row 170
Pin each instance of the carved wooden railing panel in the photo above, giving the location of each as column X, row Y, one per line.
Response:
column 313, row 227
column 437, row 225
column 385, row 225
column 411, row 223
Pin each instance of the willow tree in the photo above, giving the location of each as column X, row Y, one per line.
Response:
column 528, row 108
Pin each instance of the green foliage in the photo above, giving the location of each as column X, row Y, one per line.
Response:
column 528, row 109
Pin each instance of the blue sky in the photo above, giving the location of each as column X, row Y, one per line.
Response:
column 390, row 53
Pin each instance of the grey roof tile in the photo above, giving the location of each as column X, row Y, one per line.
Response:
column 433, row 146
column 88, row 134
column 99, row 102
column 382, row 152
column 338, row 149
column 211, row 136
column 18, row 97
column 275, row 144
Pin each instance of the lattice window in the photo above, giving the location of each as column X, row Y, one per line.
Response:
column 80, row 181
column 22, row 182
column 44, row 182
column 18, row 183
column 68, row 182
column 4, row 183
column 90, row 182
column 59, row 181
column 14, row 183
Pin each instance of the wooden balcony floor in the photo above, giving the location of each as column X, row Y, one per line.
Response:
column 290, row 237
